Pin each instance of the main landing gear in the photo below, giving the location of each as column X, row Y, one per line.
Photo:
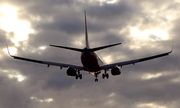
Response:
column 78, row 75
column 105, row 75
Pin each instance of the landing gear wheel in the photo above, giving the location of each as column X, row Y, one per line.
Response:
column 76, row 76
column 96, row 80
column 80, row 76
column 103, row 76
column 107, row 75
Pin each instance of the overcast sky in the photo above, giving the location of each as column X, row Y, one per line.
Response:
column 144, row 27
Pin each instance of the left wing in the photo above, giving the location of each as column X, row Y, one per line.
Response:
column 46, row 62
column 106, row 67
column 49, row 63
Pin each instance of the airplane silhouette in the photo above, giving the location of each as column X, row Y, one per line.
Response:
column 90, row 60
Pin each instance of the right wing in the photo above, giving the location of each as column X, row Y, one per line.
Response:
column 109, row 66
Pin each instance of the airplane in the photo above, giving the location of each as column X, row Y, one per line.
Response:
column 90, row 60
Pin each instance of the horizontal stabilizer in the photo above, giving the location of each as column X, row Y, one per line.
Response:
column 103, row 47
column 69, row 48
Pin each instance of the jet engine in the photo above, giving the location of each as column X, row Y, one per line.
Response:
column 115, row 71
column 71, row 72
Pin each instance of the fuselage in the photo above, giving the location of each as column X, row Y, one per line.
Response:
column 89, row 61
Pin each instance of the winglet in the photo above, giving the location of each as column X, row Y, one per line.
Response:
column 172, row 47
column 8, row 49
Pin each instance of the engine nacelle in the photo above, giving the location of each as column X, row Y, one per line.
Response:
column 115, row 71
column 71, row 72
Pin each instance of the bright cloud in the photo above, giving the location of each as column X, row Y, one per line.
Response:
column 12, row 50
column 107, row 59
column 148, row 76
column 10, row 23
column 150, row 105
column 111, row 1
column 48, row 100
column 149, row 34
column 15, row 74
column 42, row 47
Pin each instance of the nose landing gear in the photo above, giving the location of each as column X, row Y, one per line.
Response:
column 96, row 80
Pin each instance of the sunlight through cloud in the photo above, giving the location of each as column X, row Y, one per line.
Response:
column 148, row 76
column 149, row 34
column 79, row 41
column 15, row 74
column 12, row 50
column 42, row 47
column 111, row 1
column 10, row 23
column 48, row 100
column 107, row 59
column 150, row 105
column 102, row 2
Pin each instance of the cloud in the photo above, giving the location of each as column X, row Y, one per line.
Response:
column 148, row 84
column 13, row 94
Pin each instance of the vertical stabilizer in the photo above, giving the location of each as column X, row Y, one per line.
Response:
column 86, row 33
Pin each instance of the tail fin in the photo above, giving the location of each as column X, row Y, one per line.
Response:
column 86, row 33
column 87, row 43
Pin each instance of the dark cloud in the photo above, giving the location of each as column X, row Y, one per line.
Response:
column 12, row 94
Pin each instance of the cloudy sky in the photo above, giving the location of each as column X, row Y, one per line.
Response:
column 145, row 28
